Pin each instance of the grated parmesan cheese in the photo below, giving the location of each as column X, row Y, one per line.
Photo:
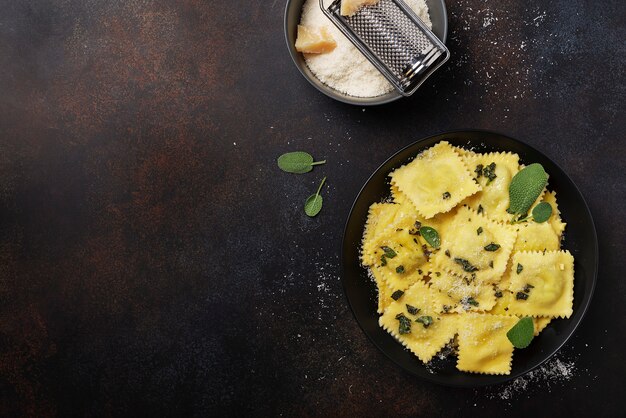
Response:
column 345, row 69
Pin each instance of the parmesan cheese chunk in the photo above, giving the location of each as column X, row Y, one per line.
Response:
column 311, row 41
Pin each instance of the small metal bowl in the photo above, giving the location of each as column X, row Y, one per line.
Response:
column 293, row 10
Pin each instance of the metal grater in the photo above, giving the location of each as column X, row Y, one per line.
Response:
column 394, row 40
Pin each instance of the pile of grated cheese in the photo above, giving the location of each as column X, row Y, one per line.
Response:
column 345, row 69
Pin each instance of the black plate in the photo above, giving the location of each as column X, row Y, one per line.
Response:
column 580, row 239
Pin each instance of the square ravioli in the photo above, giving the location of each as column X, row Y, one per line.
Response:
column 383, row 218
column 544, row 285
column 464, row 295
column 483, row 344
column 475, row 247
column 415, row 324
column 398, row 257
column 533, row 236
column 493, row 172
column 435, row 181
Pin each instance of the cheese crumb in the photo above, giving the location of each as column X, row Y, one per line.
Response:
column 350, row 7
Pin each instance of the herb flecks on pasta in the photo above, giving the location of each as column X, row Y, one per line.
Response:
column 448, row 260
column 473, row 256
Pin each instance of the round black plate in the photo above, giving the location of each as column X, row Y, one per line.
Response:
column 580, row 239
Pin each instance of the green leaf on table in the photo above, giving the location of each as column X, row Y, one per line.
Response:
column 298, row 162
column 525, row 188
column 313, row 203
column 542, row 212
column 431, row 236
column 522, row 333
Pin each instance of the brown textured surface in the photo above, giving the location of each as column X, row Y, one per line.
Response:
column 153, row 260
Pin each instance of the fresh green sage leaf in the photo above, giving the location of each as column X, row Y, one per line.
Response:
column 525, row 188
column 298, row 162
column 313, row 203
column 542, row 212
column 431, row 236
column 522, row 333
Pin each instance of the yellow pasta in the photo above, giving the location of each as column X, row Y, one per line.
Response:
column 379, row 217
column 555, row 219
column 465, row 244
column 483, row 344
column 479, row 274
column 435, row 181
column 384, row 292
column 464, row 152
column 493, row 199
column 540, row 324
column 544, row 286
column 464, row 295
column 401, row 270
column 384, row 218
column 423, row 340
column 398, row 196
column 533, row 236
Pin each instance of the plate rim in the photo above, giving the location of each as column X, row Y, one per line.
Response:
column 500, row 379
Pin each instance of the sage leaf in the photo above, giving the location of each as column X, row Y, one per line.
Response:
column 525, row 188
column 542, row 212
column 465, row 264
column 431, row 236
column 389, row 252
column 492, row 247
column 522, row 333
column 412, row 309
column 397, row 294
column 425, row 320
column 298, row 162
column 313, row 203
column 404, row 326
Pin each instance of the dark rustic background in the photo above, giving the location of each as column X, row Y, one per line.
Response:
column 155, row 261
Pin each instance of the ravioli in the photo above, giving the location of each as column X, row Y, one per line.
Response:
column 435, row 181
column 480, row 272
column 493, row 199
column 423, row 340
column 475, row 247
column 483, row 344
column 463, row 295
column 544, row 286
